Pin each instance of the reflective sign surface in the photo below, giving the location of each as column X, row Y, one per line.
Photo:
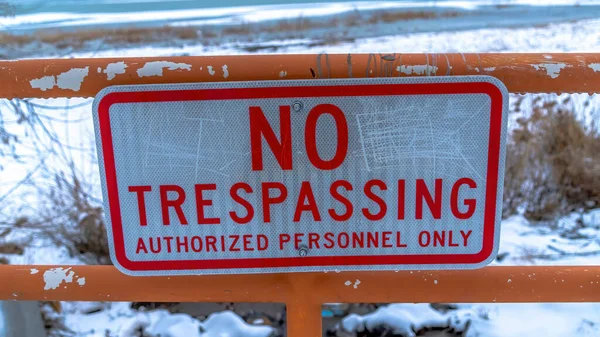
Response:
column 317, row 175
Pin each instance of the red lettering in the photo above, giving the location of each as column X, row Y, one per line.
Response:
column 329, row 238
column 181, row 244
column 283, row 238
column 435, row 207
column 358, row 239
column 399, row 243
column 372, row 239
column 369, row 193
column 232, row 247
column 141, row 246
column 427, row 237
column 385, row 236
column 349, row 209
column 401, row 198
column 259, row 127
column 465, row 236
column 306, row 195
column 346, row 240
column 247, row 242
column 313, row 238
column 267, row 200
column 237, row 198
column 152, row 249
column 201, row 203
column 439, row 238
column 165, row 203
column 298, row 240
column 310, row 136
column 470, row 203
column 262, row 242
column 211, row 241
column 168, row 239
column 196, row 244
column 139, row 191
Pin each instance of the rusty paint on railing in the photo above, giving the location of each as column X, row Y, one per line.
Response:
column 303, row 293
column 85, row 77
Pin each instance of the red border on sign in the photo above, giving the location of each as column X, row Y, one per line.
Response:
column 297, row 92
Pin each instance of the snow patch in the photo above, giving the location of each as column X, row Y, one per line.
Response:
column 72, row 79
column 225, row 71
column 418, row 69
column 156, row 68
column 229, row 324
column 113, row 69
column 552, row 69
column 43, row 83
column 401, row 319
column 594, row 66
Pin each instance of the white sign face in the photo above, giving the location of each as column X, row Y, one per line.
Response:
column 312, row 175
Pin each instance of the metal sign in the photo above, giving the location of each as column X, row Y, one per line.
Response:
column 311, row 175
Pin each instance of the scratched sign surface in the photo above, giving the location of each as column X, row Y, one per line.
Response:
column 313, row 175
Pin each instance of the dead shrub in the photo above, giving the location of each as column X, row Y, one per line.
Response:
column 75, row 222
column 552, row 164
column 11, row 248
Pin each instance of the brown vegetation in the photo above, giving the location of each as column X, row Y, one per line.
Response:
column 552, row 164
column 77, row 39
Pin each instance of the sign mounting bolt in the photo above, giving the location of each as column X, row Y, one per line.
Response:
column 303, row 251
column 297, row 106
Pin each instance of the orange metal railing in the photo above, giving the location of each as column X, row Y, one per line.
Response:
column 304, row 293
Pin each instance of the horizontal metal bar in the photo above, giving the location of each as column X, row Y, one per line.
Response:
column 520, row 72
column 491, row 284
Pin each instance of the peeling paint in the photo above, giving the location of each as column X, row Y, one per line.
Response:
column 548, row 57
column 594, row 66
column 552, row 69
column 283, row 73
column 419, row 69
column 356, row 284
column 210, row 70
column 509, row 281
column 34, row 271
column 81, row 281
column 156, row 68
column 489, row 68
column 225, row 71
column 43, row 83
column 99, row 69
column 72, row 79
column 56, row 276
column 435, row 281
column 114, row 69
column 348, row 283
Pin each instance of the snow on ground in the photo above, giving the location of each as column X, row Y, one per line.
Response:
column 245, row 14
column 484, row 320
column 118, row 319
column 521, row 242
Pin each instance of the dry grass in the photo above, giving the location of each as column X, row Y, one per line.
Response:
column 552, row 164
column 75, row 222
column 293, row 28
column 77, row 39
column 389, row 17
